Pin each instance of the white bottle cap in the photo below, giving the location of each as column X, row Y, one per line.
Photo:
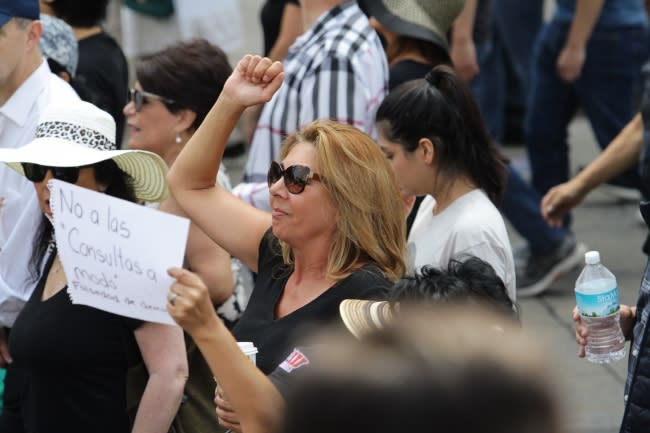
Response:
column 592, row 257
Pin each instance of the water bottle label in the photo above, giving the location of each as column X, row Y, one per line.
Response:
column 599, row 304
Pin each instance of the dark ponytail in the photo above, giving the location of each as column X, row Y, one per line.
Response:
column 440, row 107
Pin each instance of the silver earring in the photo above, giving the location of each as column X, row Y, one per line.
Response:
column 178, row 138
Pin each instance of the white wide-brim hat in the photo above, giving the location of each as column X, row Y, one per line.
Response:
column 77, row 134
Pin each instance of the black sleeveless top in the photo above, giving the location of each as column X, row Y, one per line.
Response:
column 75, row 362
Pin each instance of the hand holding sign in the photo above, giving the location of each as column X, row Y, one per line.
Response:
column 115, row 253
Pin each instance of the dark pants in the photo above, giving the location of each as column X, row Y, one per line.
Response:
column 11, row 420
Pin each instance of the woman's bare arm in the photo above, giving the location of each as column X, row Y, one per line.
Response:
column 231, row 223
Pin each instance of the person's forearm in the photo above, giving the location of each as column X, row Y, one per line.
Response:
column 463, row 27
column 290, row 29
column 197, row 164
column 585, row 17
column 159, row 403
column 621, row 154
column 256, row 401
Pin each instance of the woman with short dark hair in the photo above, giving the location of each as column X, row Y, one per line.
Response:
column 174, row 90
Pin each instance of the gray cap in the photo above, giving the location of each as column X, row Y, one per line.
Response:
column 59, row 43
column 422, row 19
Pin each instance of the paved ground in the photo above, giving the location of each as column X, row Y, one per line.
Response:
column 592, row 395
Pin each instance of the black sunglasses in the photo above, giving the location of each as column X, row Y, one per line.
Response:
column 295, row 177
column 139, row 98
column 36, row 172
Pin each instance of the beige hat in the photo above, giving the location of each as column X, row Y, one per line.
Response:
column 429, row 20
column 361, row 316
column 76, row 134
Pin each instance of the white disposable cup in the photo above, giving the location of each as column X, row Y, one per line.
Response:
column 249, row 350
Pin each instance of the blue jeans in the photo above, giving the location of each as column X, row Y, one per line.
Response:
column 606, row 90
column 504, row 60
column 505, row 57
column 521, row 206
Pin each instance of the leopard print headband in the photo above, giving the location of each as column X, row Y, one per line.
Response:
column 75, row 133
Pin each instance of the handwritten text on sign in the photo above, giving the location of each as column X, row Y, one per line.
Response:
column 115, row 253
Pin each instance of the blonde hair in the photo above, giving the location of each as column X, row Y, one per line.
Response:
column 370, row 217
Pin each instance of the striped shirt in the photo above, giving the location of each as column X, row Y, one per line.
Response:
column 336, row 70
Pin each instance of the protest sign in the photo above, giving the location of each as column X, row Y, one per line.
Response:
column 115, row 253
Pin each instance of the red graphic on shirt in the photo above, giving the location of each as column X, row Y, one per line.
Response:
column 296, row 360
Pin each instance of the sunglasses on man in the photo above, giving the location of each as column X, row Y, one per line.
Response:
column 37, row 172
column 139, row 98
column 296, row 177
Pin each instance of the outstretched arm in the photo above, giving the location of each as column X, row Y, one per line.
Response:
column 235, row 226
column 622, row 153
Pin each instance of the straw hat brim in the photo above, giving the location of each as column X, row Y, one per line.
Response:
column 362, row 316
column 147, row 170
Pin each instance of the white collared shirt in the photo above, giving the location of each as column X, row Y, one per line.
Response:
column 20, row 215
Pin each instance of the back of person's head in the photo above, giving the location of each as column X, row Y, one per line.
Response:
column 467, row 280
column 370, row 217
column 191, row 74
column 79, row 13
column 445, row 371
column 442, row 109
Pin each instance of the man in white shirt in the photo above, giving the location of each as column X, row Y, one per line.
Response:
column 26, row 87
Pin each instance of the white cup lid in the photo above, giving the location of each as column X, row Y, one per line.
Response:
column 247, row 347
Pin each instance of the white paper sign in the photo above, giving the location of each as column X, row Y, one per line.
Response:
column 115, row 253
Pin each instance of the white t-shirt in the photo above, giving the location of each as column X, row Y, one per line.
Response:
column 470, row 225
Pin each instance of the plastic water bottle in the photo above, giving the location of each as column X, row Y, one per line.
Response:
column 599, row 307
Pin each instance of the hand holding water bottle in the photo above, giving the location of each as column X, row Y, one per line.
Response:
column 599, row 312
column 627, row 315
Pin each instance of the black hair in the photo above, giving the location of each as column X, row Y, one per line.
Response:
column 433, row 53
column 119, row 185
column 192, row 74
column 466, row 279
column 441, row 108
column 78, row 83
column 80, row 13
